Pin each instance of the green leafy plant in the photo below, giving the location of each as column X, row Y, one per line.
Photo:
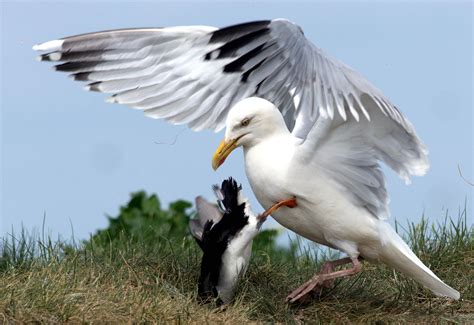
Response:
column 143, row 219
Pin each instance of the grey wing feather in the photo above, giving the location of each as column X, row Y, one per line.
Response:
column 196, row 229
column 206, row 212
column 350, row 151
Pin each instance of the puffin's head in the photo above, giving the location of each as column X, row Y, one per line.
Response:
column 248, row 122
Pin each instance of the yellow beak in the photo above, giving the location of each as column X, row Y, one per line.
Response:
column 222, row 152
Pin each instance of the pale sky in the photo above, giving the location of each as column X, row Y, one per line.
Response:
column 68, row 155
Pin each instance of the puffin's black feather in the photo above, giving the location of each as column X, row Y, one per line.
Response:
column 216, row 238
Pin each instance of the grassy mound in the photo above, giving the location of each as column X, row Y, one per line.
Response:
column 144, row 267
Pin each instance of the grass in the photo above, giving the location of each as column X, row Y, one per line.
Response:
column 128, row 280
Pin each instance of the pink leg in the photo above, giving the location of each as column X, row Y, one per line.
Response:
column 329, row 266
column 290, row 203
column 326, row 268
column 326, row 277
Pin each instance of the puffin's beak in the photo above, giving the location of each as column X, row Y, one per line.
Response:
column 223, row 150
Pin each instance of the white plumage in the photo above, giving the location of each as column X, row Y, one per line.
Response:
column 321, row 138
column 279, row 166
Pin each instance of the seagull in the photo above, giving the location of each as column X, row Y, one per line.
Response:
column 310, row 126
column 225, row 233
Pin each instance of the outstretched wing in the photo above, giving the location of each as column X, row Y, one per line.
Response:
column 190, row 74
column 195, row 74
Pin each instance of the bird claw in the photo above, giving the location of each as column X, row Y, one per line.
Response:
column 325, row 278
column 315, row 284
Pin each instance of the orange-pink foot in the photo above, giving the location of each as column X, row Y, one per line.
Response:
column 325, row 278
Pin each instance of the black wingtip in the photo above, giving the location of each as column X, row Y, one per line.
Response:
column 94, row 86
column 81, row 76
column 234, row 31
column 76, row 66
column 230, row 48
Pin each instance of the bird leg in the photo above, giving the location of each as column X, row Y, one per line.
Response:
column 325, row 278
column 290, row 203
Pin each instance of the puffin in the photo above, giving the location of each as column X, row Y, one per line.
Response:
column 225, row 232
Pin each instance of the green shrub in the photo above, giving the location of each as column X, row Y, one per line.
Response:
column 143, row 219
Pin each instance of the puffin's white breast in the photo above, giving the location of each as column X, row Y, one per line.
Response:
column 235, row 260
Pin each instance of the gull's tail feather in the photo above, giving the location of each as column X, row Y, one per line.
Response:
column 398, row 255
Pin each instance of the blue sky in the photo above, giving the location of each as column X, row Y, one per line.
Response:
column 68, row 155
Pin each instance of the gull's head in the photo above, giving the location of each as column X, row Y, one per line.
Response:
column 249, row 122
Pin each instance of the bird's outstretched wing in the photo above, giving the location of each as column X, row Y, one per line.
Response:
column 195, row 74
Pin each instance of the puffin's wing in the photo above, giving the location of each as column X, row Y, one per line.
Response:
column 195, row 74
column 206, row 212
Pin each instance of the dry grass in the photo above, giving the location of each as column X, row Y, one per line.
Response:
column 129, row 281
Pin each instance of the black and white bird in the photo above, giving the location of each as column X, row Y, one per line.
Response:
column 225, row 233
column 310, row 126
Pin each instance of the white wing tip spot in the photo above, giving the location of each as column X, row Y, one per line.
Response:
column 49, row 46
column 55, row 56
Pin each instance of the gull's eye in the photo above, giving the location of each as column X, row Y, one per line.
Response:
column 245, row 122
